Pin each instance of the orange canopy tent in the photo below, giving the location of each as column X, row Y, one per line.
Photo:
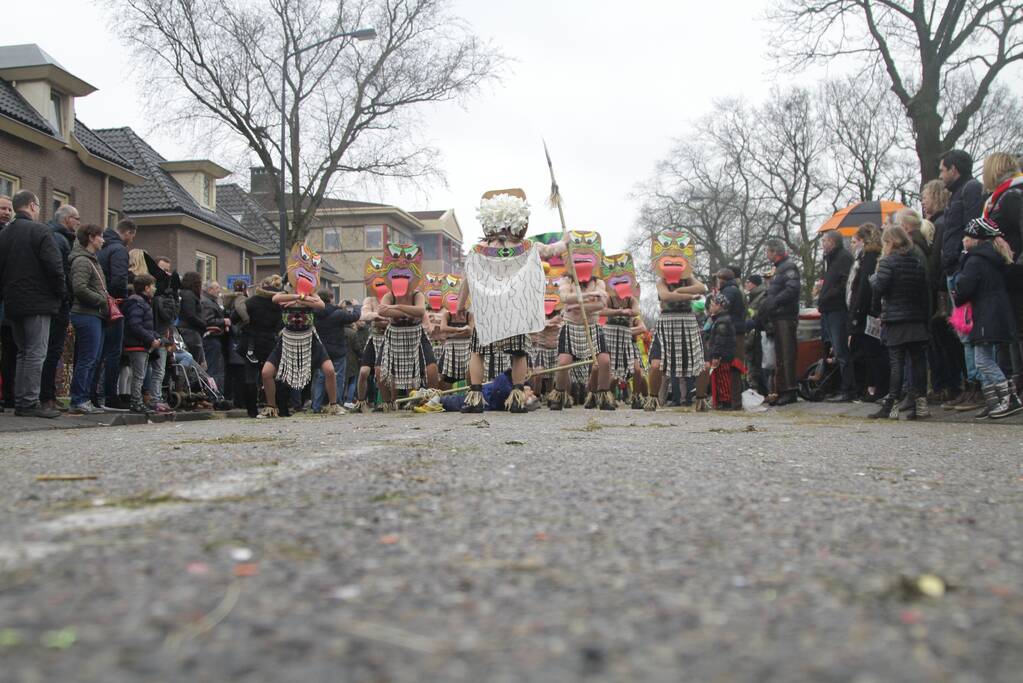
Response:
column 848, row 220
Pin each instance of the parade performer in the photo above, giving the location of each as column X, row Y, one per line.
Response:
column 299, row 351
column 544, row 355
column 457, row 326
column 376, row 288
column 677, row 349
column 505, row 281
column 432, row 286
column 573, row 342
column 623, row 323
column 407, row 358
column 555, row 268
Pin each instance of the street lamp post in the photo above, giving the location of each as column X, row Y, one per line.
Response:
column 282, row 213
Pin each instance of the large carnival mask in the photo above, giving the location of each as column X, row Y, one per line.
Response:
column 552, row 296
column 504, row 212
column 432, row 287
column 373, row 276
column 620, row 274
column 402, row 264
column 450, row 291
column 586, row 254
column 555, row 262
column 671, row 251
column 303, row 269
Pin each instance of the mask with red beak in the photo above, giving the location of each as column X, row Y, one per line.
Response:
column 373, row 276
column 433, row 288
column 403, row 267
column 586, row 254
column 620, row 275
column 450, row 291
column 303, row 269
column 671, row 252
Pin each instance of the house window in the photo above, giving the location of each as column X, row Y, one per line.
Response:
column 332, row 239
column 112, row 219
column 59, row 200
column 374, row 237
column 207, row 191
column 206, row 265
column 56, row 117
column 429, row 244
column 9, row 184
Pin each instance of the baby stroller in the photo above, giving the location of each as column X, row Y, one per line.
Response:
column 186, row 385
column 821, row 380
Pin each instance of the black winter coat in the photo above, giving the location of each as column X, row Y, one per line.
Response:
column 934, row 268
column 32, row 278
column 832, row 294
column 113, row 259
column 965, row 204
column 191, row 313
column 1008, row 216
column 782, row 300
column 211, row 312
column 981, row 282
column 861, row 303
column 265, row 323
column 900, row 288
column 721, row 338
column 139, row 330
column 165, row 312
column 330, row 326
column 736, row 303
column 65, row 240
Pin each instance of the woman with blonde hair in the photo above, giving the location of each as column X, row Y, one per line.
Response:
column 899, row 288
column 137, row 262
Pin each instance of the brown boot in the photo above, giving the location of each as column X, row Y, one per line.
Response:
column 951, row 404
column 974, row 400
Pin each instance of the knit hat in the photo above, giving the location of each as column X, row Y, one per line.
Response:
column 755, row 279
column 982, row 229
column 718, row 299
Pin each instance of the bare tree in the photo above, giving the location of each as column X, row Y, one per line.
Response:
column 351, row 108
column 920, row 45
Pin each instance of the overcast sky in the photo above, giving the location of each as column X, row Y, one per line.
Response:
column 608, row 84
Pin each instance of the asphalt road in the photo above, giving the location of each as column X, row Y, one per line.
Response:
column 795, row 545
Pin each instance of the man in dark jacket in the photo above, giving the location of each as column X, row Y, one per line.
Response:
column 780, row 310
column 32, row 285
column 113, row 259
column 62, row 227
column 330, row 325
column 834, row 311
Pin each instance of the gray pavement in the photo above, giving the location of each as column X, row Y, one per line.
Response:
column 801, row 544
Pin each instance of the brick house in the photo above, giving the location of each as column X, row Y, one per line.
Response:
column 177, row 212
column 45, row 148
column 347, row 232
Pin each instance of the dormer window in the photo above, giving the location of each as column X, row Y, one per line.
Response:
column 207, row 191
column 56, row 113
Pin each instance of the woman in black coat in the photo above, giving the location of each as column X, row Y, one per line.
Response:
column 900, row 290
column 259, row 337
column 980, row 282
column 868, row 353
column 191, row 325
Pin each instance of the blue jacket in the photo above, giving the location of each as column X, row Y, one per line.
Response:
column 65, row 240
column 965, row 204
column 113, row 259
column 139, row 330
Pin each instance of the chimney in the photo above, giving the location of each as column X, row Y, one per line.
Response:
column 261, row 185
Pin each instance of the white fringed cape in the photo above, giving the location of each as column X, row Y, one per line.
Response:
column 507, row 294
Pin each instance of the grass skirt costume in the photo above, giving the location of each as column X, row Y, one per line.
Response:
column 678, row 344
column 454, row 364
column 622, row 350
column 402, row 360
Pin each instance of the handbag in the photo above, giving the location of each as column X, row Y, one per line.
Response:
column 961, row 319
column 113, row 310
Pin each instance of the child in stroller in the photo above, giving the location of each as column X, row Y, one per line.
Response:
column 187, row 385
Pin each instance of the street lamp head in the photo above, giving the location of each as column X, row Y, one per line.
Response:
column 365, row 34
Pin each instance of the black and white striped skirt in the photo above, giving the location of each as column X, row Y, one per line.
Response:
column 678, row 344
column 401, row 361
column 622, row 350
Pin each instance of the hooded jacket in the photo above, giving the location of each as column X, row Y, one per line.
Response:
column 113, row 259
column 139, row 330
column 832, row 294
column 981, row 282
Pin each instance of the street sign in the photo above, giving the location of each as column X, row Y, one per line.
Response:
column 231, row 279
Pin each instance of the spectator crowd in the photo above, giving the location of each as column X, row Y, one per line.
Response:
column 130, row 334
column 923, row 310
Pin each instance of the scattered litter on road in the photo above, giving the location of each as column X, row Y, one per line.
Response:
column 390, row 539
column 514, row 443
column 346, row 592
column 246, row 569
column 197, row 568
column 241, row 554
column 66, row 477
column 60, row 639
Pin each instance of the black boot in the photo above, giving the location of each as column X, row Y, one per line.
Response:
column 885, row 411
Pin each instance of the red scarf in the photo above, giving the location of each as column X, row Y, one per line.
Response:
column 996, row 196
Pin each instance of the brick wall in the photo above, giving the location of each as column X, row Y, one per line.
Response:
column 43, row 171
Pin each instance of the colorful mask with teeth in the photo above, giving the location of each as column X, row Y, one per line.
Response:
column 556, row 263
column 586, row 254
column 620, row 275
column 373, row 276
column 403, row 267
column 671, row 252
column 432, row 287
column 552, row 297
column 303, row 269
column 450, row 292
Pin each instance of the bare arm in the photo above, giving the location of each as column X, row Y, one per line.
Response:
column 289, row 300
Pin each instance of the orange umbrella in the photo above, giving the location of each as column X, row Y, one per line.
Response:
column 848, row 220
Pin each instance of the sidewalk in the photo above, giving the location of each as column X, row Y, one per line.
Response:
column 9, row 422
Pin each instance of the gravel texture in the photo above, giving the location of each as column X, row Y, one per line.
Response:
column 552, row 546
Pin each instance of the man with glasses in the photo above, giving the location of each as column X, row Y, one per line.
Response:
column 62, row 226
column 33, row 287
